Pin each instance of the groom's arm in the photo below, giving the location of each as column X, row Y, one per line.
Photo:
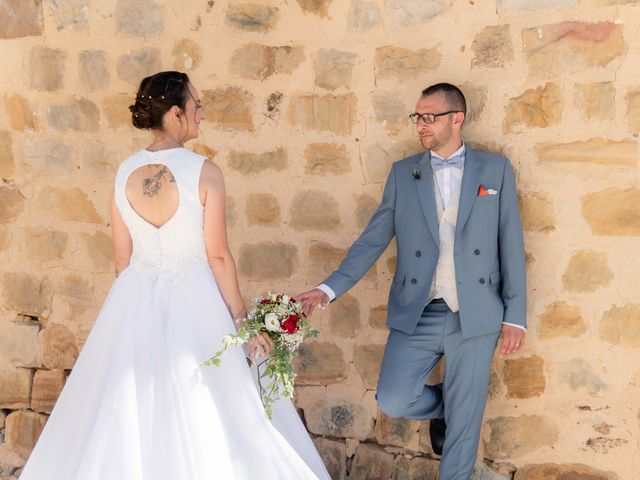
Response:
column 512, row 257
column 364, row 252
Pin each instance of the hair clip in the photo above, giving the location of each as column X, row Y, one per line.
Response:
column 162, row 97
column 141, row 96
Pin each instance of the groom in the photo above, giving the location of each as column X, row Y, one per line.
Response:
column 460, row 278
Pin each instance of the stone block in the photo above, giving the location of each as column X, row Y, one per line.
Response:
column 323, row 259
column 613, row 211
column 326, row 159
column 316, row 7
column 482, row 471
column 94, row 70
column 331, row 113
column 68, row 204
column 476, row 97
column 48, row 156
column 251, row 164
column 363, row 15
column 380, row 156
column 11, row 202
column 70, row 14
column 621, row 326
column 524, row 377
column 587, row 272
column 492, row 47
column 19, row 343
column 268, row 260
column 541, row 107
column 366, row 205
column 513, row 437
column 6, row 238
column 367, row 360
column 45, row 68
column 262, row 209
column 319, row 363
column 334, row 456
column 80, row 115
column 7, row 164
column 580, row 375
column 231, row 211
column 251, row 17
column 19, row 112
column 229, row 107
column 139, row 18
column 538, row 213
column 561, row 319
column 21, row 19
column 187, row 55
column 632, row 99
column 568, row 471
column 378, row 317
column 99, row 159
column 314, row 210
column 412, row 12
column 257, row 62
column 396, row 431
column 22, row 431
column 334, row 68
column 26, row 293
column 400, row 63
column 138, row 64
column 58, row 347
column 569, row 47
column 16, row 387
column 10, row 461
column 45, row 245
column 596, row 151
column 47, row 386
column 596, row 101
column 371, row 463
column 76, row 287
column 344, row 316
column 339, row 417
column 116, row 109
column 417, row 468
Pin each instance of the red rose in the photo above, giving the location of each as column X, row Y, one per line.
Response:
column 290, row 325
column 265, row 301
column 292, row 300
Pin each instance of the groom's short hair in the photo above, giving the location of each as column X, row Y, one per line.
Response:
column 455, row 97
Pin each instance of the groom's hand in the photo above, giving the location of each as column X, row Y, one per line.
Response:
column 512, row 339
column 311, row 299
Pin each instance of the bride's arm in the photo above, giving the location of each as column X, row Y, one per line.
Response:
column 121, row 239
column 215, row 237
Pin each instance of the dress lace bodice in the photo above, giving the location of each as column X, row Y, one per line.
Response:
column 178, row 245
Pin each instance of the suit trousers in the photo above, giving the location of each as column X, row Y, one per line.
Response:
column 461, row 399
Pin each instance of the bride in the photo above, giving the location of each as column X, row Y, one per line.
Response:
column 137, row 406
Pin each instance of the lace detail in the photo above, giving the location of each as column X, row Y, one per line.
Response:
column 177, row 247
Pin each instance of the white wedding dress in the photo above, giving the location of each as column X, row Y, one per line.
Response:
column 137, row 405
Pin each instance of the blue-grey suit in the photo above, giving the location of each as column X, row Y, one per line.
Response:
column 491, row 288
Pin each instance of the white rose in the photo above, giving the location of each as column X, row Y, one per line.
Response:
column 285, row 299
column 271, row 322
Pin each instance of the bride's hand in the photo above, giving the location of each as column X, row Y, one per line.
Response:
column 260, row 345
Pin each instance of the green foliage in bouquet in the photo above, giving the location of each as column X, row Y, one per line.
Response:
column 282, row 318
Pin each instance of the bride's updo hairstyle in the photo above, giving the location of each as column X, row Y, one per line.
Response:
column 156, row 95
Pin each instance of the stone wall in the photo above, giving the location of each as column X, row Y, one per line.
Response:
column 306, row 104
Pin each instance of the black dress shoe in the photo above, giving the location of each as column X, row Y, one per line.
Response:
column 437, row 429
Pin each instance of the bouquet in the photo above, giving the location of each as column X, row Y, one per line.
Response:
column 282, row 318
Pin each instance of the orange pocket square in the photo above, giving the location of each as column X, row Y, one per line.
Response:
column 482, row 192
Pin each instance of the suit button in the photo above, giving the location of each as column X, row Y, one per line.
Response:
column 481, row 281
column 414, row 281
column 476, row 251
column 418, row 253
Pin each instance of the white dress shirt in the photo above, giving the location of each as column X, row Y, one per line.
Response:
column 447, row 180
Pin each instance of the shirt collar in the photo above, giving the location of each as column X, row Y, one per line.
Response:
column 460, row 152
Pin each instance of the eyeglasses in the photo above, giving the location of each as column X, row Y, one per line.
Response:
column 429, row 118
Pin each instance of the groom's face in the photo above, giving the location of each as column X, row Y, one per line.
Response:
column 440, row 133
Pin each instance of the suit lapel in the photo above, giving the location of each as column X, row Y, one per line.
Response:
column 426, row 194
column 473, row 167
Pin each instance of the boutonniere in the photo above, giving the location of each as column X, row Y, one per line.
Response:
column 415, row 173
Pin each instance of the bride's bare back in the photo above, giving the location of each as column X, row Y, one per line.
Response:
column 152, row 192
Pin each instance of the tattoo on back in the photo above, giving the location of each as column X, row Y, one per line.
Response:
column 151, row 186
